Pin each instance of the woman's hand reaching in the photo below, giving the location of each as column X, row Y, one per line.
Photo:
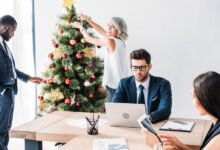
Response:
column 83, row 17
column 171, row 142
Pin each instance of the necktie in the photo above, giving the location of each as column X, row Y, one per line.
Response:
column 5, row 46
column 11, row 58
column 141, row 95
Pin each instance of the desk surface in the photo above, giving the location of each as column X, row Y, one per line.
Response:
column 54, row 127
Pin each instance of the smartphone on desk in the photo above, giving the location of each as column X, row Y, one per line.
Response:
column 144, row 122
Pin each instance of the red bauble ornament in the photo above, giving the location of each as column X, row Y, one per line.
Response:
column 56, row 45
column 73, row 42
column 79, row 55
column 67, row 101
column 53, row 41
column 93, row 76
column 50, row 81
column 66, row 68
column 51, row 110
column 91, row 95
column 64, row 55
column 91, row 65
column 40, row 98
column 50, row 55
column 55, row 103
column 78, row 104
column 44, row 81
column 67, row 81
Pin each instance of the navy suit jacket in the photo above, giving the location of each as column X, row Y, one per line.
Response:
column 6, row 72
column 159, row 101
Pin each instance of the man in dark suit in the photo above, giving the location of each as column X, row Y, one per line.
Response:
column 143, row 88
column 8, row 79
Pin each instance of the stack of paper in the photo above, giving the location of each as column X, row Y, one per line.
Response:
column 110, row 144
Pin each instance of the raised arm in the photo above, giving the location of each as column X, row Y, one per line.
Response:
column 108, row 42
column 93, row 24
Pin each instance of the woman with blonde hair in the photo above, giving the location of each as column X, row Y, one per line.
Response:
column 116, row 61
column 206, row 99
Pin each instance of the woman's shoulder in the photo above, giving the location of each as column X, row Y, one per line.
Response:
column 213, row 144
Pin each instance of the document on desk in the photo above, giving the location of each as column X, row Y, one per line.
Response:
column 173, row 125
column 110, row 144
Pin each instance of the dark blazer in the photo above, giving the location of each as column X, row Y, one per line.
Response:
column 159, row 101
column 6, row 73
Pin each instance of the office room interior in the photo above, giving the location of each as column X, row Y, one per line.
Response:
column 182, row 37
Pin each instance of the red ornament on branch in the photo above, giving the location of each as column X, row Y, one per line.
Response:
column 56, row 45
column 93, row 76
column 78, row 104
column 50, row 80
column 65, row 55
column 67, row 81
column 44, row 81
column 51, row 110
column 55, row 103
column 91, row 65
column 73, row 42
column 66, row 68
column 67, row 101
column 40, row 98
column 53, row 41
column 91, row 95
column 50, row 55
column 79, row 55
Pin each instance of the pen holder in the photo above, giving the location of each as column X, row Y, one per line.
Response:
column 92, row 126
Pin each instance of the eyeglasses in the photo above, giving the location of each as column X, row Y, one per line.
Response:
column 141, row 68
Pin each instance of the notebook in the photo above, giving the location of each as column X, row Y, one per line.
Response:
column 174, row 125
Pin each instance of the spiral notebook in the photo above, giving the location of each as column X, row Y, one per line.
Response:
column 173, row 125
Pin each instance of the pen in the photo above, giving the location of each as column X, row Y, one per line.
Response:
column 179, row 122
column 88, row 120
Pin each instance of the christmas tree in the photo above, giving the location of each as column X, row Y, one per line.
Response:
column 74, row 77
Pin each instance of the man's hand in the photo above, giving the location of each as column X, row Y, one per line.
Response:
column 36, row 80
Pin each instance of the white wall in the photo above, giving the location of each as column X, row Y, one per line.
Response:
column 182, row 37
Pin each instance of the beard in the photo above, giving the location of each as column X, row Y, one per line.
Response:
column 5, row 36
column 140, row 77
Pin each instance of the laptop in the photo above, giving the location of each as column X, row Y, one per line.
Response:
column 124, row 114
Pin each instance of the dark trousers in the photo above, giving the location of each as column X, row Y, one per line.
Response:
column 6, row 116
column 110, row 93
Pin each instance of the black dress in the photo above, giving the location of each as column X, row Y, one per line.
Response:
column 213, row 131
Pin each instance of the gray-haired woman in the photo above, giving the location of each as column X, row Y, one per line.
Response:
column 115, row 62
